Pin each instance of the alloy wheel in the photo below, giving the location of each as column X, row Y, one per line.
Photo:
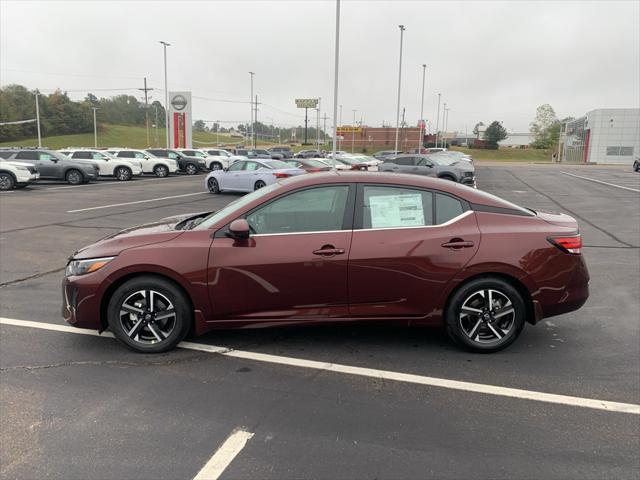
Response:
column 191, row 169
column 259, row 184
column 123, row 174
column 216, row 166
column 147, row 317
column 6, row 182
column 161, row 171
column 212, row 185
column 74, row 177
column 487, row 316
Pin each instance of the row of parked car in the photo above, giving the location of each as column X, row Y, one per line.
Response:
column 247, row 175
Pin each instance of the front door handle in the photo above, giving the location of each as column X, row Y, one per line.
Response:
column 455, row 244
column 329, row 252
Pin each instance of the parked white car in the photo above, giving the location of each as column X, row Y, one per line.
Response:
column 370, row 162
column 161, row 167
column 249, row 175
column 17, row 175
column 108, row 164
column 218, row 158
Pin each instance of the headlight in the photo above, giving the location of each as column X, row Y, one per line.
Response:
column 82, row 267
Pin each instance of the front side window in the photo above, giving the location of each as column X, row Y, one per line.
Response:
column 313, row 210
column 396, row 207
column 98, row 156
column 139, row 155
column 46, row 157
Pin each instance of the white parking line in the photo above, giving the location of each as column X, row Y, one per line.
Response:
column 136, row 202
column 581, row 402
column 107, row 183
column 224, row 455
column 600, row 181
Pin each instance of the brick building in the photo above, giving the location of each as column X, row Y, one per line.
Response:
column 374, row 139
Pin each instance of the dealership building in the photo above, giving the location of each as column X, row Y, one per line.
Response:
column 607, row 135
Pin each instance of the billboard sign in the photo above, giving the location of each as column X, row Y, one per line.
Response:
column 348, row 129
column 306, row 102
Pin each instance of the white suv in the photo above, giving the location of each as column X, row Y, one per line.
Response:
column 17, row 175
column 107, row 163
column 218, row 158
column 161, row 167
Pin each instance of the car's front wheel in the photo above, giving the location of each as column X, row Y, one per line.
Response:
column 485, row 315
column 6, row 181
column 123, row 174
column 215, row 166
column 74, row 177
column 149, row 314
column 161, row 171
column 191, row 169
column 213, row 186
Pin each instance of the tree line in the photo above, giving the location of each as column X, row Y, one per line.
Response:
column 59, row 115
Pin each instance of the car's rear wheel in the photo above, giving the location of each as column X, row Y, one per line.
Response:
column 485, row 315
column 191, row 169
column 123, row 174
column 6, row 181
column 149, row 314
column 74, row 177
column 161, row 171
column 213, row 186
column 259, row 184
column 215, row 166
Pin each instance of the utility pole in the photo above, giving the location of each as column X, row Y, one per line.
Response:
column 335, row 84
column 218, row 133
column 157, row 140
column 340, row 121
column 402, row 29
column 253, row 127
column 402, row 124
column 95, row 128
column 318, row 124
column 166, row 92
column 438, row 122
column 420, row 137
column 250, row 129
column 353, row 131
column 306, row 123
column 445, row 123
column 324, row 128
column 146, row 107
column 38, row 120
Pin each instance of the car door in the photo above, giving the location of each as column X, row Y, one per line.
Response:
column 424, row 166
column 294, row 264
column 232, row 178
column 408, row 243
column 248, row 176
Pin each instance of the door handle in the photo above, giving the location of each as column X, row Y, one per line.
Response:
column 455, row 244
column 329, row 252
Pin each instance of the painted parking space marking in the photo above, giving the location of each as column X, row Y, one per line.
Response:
column 108, row 183
column 602, row 182
column 486, row 389
column 113, row 205
column 223, row 457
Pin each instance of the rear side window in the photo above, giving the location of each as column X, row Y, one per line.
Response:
column 401, row 161
column 27, row 155
column 124, row 154
column 396, row 207
column 447, row 208
column 5, row 154
column 81, row 155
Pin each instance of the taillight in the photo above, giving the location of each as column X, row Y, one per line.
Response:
column 312, row 170
column 359, row 167
column 572, row 244
column 281, row 175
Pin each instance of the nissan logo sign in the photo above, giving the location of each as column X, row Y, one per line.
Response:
column 179, row 102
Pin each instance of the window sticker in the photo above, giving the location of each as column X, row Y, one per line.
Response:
column 396, row 210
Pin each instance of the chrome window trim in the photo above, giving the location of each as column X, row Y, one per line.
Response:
column 298, row 233
column 447, row 223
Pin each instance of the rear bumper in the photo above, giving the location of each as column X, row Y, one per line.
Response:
column 566, row 297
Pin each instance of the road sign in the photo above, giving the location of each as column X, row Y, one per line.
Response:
column 306, row 102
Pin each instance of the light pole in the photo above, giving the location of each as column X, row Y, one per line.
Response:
column 420, row 138
column 402, row 29
column 335, row 83
column 353, row 131
column 318, row 124
column 438, row 122
column 166, row 91
column 250, row 129
column 95, row 128
column 38, row 120
column 445, row 122
column 340, row 123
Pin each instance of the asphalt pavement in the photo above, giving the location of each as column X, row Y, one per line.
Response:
column 80, row 406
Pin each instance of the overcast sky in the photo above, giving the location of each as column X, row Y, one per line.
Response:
column 489, row 60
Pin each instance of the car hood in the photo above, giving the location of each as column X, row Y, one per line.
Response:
column 149, row 233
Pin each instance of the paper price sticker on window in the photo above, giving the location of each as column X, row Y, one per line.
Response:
column 396, row 211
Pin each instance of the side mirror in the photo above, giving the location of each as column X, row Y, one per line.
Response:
column 239, row 229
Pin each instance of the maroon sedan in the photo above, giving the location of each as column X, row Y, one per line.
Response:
column 331, row 248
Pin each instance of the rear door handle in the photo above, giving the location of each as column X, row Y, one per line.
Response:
column 458, row 244
column 329, row 252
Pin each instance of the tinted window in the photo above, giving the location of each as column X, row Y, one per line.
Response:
column 214, row 153
column 401, row 161
column 81, row 155
column 5, row 154
column 447, row 208
column 27, row 155
column 396, row 207
column 314, row 210
column 125, row 154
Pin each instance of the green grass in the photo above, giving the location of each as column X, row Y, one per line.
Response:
column 123, row 136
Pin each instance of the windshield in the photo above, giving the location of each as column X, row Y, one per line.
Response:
column 215, row 217
column 316, row 163
column 277, row 164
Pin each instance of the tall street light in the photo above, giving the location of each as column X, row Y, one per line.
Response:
column 38, row 120
column 318, row 124
column 95, row 128
column 420, row 138
column 166, row 91
column 438, row 122
column 335, row 83
column 353, row 131
column 250, row 129
column 339, row 123
column 445, row 122
column 402, row 29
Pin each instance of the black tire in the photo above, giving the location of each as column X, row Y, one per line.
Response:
column 7, row 182
column 448, row 177
column 161, row 171
column 215, row 166
column 136, row 330
column 20, row 187
column 74, row 177
column 191, row 168
column 213, row 186
column 259, row 184
column 123, row 174
column 489, row 329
